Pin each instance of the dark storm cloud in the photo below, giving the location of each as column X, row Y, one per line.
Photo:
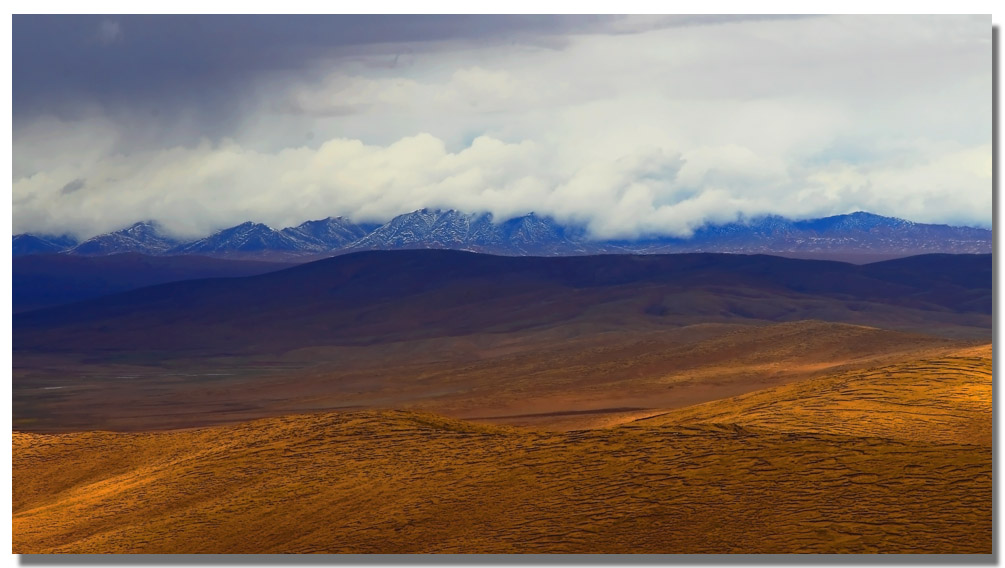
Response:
column 177, row 78
column 112, row 59
column 63, row 62
column 200, row 69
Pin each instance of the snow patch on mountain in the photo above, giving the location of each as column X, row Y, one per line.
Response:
column 146, row 237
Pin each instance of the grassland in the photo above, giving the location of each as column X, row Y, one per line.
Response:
column 886, row 456
column 938, row 400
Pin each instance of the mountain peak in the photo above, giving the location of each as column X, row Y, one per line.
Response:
column 247, row 225
column 26, row 243
column 248, row 237
column 478, row 232
column 143, row 228
column 329, row 234
column 857, row 221
column 146, row 237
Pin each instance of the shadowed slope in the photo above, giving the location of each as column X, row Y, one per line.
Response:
column 388, row 296
column 52, row 279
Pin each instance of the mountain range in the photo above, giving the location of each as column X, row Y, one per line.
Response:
column 528, row 235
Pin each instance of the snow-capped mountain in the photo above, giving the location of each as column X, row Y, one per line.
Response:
column 145, row 237
column 531, row 234
column 249, row 238
column 331, row 234
column 26, row 244
column 858, row 221
column 422, row 229
column 858, row 232
column 525, row 235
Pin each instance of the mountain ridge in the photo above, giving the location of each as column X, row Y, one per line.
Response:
column 529, row 235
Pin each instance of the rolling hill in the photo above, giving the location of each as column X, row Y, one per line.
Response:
column 438, row 401
column 388, row 296
column 944, row 399
column 567, row 342
column 394, row 482
column 41, row 281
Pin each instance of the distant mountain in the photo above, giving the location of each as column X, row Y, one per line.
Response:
column 858, row 232
column 436, row 229
column 856, row 237
column 145, row 237
column 330, row 234
column 251, row 239
column 26, row 244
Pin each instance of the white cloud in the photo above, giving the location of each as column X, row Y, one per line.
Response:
column 654, row 132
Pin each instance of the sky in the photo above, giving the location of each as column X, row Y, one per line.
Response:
column 628, row 125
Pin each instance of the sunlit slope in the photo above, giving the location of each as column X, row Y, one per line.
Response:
column 404, row 482
column 938, row 399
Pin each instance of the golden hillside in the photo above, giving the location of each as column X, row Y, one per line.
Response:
column 945, row 399
column 686, row 482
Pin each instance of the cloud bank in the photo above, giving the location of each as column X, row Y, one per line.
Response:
column 629, row 126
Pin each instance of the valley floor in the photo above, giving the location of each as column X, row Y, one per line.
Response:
column 569, row 377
